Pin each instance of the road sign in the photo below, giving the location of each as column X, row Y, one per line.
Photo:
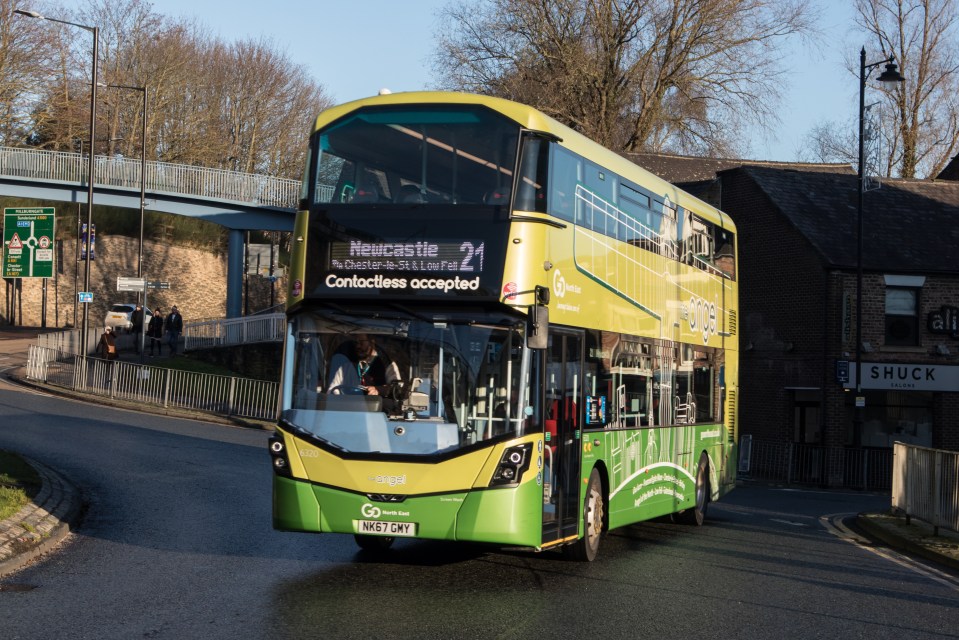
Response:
column 131, row 284
column 28, row 235
column 156, row 284
column 85, row 296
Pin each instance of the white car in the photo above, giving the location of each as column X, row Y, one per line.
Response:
column 120, row 317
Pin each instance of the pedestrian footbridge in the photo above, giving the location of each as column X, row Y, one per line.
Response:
column 238, row 201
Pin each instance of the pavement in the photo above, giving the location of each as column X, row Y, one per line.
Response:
column 39, row 527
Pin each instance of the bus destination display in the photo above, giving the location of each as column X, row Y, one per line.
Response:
column 458, row 256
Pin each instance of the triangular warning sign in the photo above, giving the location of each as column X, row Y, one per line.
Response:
column 15, row 242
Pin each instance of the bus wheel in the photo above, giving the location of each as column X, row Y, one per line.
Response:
column 696, row 515
column 374, row 543
column 586, row 548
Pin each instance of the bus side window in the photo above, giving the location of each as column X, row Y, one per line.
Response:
column 531, row 191
column 725, row 258
column 565, row 172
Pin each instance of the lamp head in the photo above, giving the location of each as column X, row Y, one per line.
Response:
column 891, row 76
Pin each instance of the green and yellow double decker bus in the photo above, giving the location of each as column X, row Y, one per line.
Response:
column 499, row 332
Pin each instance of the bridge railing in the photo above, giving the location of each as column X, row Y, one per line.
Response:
column 165, row 177
column 232, row 331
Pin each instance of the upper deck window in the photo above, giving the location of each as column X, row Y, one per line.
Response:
column 452, row 154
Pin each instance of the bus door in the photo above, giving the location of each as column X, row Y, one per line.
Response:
column 563, row 390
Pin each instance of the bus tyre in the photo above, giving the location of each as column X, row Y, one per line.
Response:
column 696, row 515
column 594, row 513
column 374, row 543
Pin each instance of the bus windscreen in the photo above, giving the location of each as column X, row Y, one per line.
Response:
column 431, row 154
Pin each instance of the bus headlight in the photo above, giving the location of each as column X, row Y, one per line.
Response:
column 281, row 464
column 512, row 464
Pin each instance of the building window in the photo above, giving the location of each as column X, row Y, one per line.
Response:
column 895, row 416
column 806, row 422
column 902, row 316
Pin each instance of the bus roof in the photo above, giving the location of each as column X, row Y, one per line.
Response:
column 535, row 120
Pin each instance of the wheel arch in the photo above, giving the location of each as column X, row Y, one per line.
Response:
column 600, row 467
column 712, row 474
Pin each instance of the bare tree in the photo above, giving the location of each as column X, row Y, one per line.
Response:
column 923, row 35
column 61, row 118
column 26, row 54
column 920, row 117
column 242, row 106
column 827, row 142
column 634, row 75
column 264, row 104
column 126, row 28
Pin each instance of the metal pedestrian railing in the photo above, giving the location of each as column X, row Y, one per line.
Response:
column 925, row 485
column 234, row 331
column 69, row 339
column 165, row 177
column 794, row 463
column 223, row 395
column 204, row 334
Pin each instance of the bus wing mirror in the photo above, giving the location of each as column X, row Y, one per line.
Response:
column 537, row 328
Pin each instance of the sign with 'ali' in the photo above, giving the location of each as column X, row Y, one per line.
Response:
column 945, row 320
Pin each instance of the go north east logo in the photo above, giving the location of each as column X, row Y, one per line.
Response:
column 561, row 287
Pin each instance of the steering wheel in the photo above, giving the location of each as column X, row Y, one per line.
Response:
column 395, row 390
column 348, row 390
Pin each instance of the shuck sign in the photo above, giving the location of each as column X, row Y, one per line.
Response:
column 903, row 376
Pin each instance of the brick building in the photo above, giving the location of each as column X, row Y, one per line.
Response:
column 797, row 228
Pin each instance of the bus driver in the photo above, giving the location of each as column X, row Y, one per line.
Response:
column 359, row 365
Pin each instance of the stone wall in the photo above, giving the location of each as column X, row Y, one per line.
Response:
column 197, row 284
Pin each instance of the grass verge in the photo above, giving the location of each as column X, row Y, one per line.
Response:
column 193, row 365
column 18, row 483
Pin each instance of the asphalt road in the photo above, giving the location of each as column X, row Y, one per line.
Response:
column 176, row 542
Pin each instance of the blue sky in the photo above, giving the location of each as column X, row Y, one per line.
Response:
column 355, row 48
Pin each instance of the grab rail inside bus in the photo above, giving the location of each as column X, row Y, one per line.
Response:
column 547, row 473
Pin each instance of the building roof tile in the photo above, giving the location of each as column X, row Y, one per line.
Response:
column 908, row 225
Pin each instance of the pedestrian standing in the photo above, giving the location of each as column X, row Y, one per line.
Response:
column 155, row 332
column 174, row 327
column 107, row 349
column 137, row 320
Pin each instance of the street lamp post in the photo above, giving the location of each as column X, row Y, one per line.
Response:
column 889, row 78
column 76, row 269
column 141, row 295
column 76, row 264
column 92, row 166
column 143, row 170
